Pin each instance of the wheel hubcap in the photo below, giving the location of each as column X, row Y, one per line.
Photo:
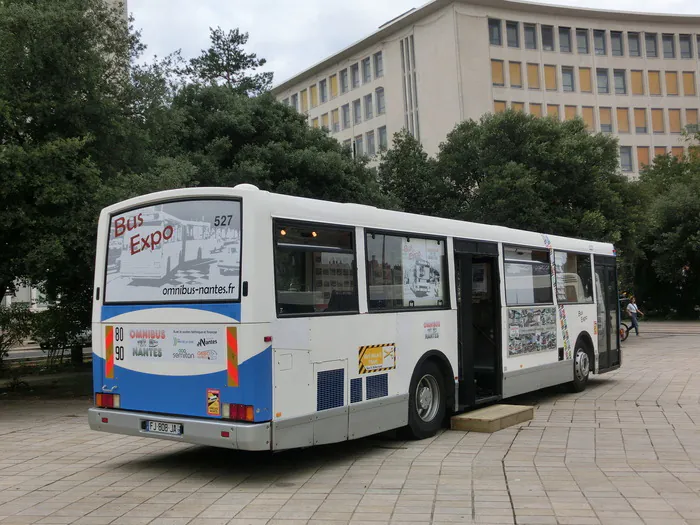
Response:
column 582, row 366
column 427, row 398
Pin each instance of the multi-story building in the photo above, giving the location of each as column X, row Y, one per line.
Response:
column 634, row 75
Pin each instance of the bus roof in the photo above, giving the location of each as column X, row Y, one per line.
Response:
column 350, row 214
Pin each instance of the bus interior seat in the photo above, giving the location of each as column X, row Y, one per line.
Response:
column 345, row 301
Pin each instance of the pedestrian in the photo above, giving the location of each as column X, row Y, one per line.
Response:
column 633, row 310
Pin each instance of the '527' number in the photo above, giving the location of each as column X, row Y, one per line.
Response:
column 223, row 220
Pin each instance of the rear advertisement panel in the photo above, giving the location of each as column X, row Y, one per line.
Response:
column 175, row 252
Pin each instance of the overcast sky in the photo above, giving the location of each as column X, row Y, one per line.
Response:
column 295, row 35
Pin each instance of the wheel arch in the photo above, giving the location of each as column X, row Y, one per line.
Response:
column 585, row 340
column 440, row 359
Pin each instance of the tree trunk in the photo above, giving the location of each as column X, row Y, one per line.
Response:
column 76, row 355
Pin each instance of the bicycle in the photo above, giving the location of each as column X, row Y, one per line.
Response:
column 624, row 331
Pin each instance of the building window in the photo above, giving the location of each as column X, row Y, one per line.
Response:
column 378, row 65
column 499, row 106
column 304, row 101
column 677, row 151
column 623, row 120
column 518, row 106
column 569, row 112
column 686, row 45
column 383, row 139
column 286, row 102
column 335, row 121
column 689, row 83
column 565, row 39
column 535, row 109
column 548, row 38
column 381, row 105
column 324, row 121
column 371, row 149
column 582, row 41
column 616, row 44
column 497, row 74
column 606, row 120
column 513, row 34
column 603, row 80
column 626, row 158
column 355, row 76
column 323, row 90
column 344, row 81
column 584, row 78
column 553, row 111
column 659, row 151
column 620, row 82
column 640, row 120
column 588, row 117
column 314, row 123
column 357, row 111
column 633, row 44
column 366, row 71
column 642, row 157
column 650, row 41
column 314, row 269
column 672, row 83
column 567, row 78
column 347, row 144
column 674, row 120
column 313, row 91
column 334, row 85
column 599, row 42
column 369, row 110
column 495, row 32
column 669, row 46
column 294, row 101
column 346, row 116
column 359, row 149
column 530, row 36
column 637, row 82
column 533, row 76
column 654, row 82
column 516, row 74
column 691, row 120
column 405, row 272
column 550, row 78
column 574, row 278
column 528, row 276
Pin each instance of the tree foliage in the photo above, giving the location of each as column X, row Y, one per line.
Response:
column 15, row 327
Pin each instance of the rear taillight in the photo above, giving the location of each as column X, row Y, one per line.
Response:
column 107, row 400
column 236, row 412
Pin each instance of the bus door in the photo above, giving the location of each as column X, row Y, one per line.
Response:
column 479, row 321
column 608, row 314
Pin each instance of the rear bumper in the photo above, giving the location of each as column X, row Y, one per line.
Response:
column 242, row 436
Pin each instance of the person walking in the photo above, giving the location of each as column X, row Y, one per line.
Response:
column 633, row 310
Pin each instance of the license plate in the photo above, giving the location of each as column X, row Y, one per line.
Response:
column 159, row 427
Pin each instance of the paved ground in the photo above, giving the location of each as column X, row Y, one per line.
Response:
column 625, row 451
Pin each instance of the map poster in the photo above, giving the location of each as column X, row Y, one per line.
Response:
column 531, row 330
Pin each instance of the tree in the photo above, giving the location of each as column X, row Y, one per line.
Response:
column 15, row 327
column 667, row 268
column 226, row 62
column 410, row 176
column 538, row 174
column 230, row 138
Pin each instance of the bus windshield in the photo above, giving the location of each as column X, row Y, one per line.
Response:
column 181, row 251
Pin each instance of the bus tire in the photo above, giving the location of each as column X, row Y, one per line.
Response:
column 427, row 401
column 582, row 368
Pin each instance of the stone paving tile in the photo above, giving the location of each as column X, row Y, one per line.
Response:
column 624, row 451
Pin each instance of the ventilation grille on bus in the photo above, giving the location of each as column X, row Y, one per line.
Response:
column 377, row 386
column 330, row 389
column 356, row 390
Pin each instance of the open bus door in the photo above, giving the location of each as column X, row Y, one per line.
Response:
column 479, row 322
column 608, row 313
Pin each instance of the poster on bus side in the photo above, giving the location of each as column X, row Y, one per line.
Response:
column 531, row 330
column 179, row 251
column 422, row 268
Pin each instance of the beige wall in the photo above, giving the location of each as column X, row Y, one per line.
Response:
column 453, row 65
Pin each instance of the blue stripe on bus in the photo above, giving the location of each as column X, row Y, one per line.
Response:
column 187, row 395
column 231, row 310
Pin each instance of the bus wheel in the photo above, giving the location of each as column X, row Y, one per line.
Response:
column 426, row 402
column 582, row 368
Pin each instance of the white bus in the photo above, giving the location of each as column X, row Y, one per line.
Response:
column 341, row 321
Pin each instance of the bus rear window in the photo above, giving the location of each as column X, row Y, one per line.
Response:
column 183, row 251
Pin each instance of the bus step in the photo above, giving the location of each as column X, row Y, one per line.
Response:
column 493, row 418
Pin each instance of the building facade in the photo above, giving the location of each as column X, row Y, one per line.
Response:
column 634, row 75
